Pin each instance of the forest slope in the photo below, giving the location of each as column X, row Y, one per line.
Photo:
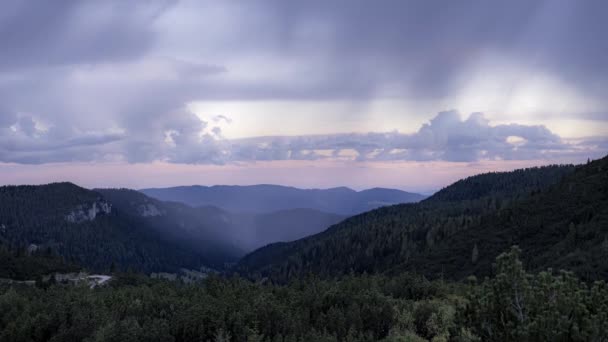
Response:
column 437, row 237
column 83, row 227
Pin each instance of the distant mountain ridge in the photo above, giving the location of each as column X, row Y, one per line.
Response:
column 266, row 198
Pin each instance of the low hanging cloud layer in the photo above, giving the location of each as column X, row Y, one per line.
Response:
column 446, row 137
column 184, row 138
column 112, row 80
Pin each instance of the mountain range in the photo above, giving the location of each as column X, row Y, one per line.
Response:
column 557, row 215
column 266, row 198
column 452, row 267
column 102, row 228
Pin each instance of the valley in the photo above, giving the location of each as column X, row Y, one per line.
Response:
column 388, row 274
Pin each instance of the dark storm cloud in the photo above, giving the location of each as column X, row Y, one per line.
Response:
column 422, row 46
column 426, row 46
column 47, row 33
column 91, row 80
column 7, row 118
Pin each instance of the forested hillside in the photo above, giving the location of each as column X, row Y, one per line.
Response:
column 459, row 230
column 207, row 230
column 83, row 227
column 502, row 185
column 562, row 227
column 400, row 273
column 511, row 306
column 22, row 265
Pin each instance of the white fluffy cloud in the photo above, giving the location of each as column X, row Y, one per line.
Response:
column 446, row 137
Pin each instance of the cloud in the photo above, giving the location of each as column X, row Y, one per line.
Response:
column 446, row 137
column 72, row 32
column 96, row 81
column 358, row 48
column 220, row 118
column 27, row 125
column 7, row 118
column 315, row 49
column 183, row 138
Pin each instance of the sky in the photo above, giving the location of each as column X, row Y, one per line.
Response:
column 405, row 94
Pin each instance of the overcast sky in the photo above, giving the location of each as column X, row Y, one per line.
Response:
column 406, row 94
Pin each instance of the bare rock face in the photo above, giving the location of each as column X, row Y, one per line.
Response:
column 149, row 210
column 86, row 212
